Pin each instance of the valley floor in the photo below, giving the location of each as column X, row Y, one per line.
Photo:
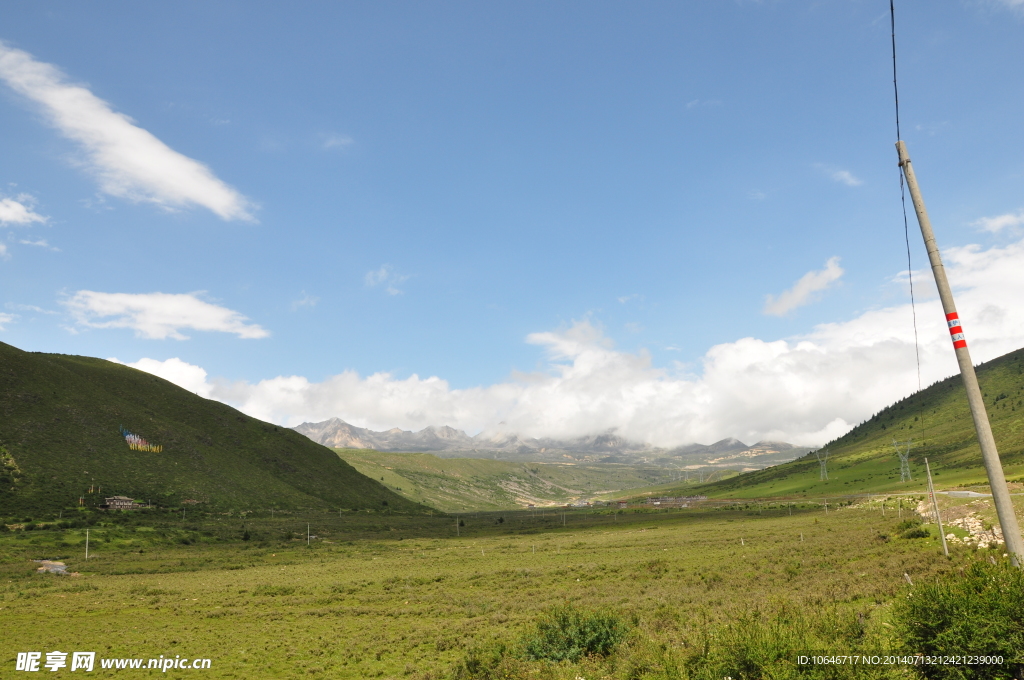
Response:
column 405, row 597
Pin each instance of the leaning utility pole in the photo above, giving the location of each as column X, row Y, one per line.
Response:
column 935, row 508
column 989, row 453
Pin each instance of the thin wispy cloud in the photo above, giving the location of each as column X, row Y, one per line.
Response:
column 6, row 319
column 623, row 299
column 29, row 308
column 306, row 300
column 18, row 211
column 158, row 315
column 127, row 161
column 1014, row 5
column 41, row 243
column 4, row 255
column 1000, row 222
column 702, row 103
column 385, row 277
column 838, row 175
column 336, row 141
column 803, row 291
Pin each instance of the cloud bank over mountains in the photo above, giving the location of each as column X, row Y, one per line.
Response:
column 805, row 390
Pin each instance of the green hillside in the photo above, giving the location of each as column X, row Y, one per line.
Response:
column 59, row 428
column 938, row 421
column 458, row 484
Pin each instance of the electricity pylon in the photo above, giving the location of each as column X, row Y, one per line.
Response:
column 904, row 459
column 823, row 461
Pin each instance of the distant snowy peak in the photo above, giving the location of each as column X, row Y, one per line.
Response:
column 607, row 447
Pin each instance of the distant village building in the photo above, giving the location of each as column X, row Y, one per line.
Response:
column 675, row 501
column 120, row 503
column 622, row 505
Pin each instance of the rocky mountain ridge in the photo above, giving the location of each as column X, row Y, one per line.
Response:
column 447, row 442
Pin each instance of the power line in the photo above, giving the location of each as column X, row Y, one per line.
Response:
column 903, row 199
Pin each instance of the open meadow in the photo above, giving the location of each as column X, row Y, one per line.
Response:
column 375, row 595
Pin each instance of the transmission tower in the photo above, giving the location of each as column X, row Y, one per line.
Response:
column 904, row 455
column 822, row 457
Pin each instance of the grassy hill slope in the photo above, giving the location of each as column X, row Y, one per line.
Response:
column 59, row 420
column 938, row 421
column 458, row 484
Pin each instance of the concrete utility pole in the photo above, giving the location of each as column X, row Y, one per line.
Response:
column 935, row 508
column 989, row 453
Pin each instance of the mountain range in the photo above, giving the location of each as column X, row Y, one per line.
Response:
column 447, row 442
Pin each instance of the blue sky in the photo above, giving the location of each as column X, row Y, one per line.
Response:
column 672, row 219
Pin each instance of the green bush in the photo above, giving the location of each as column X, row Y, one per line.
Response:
column 766, row 643
column 568, row 634
column 907, row 524
column 918, row 532
column 977, row 612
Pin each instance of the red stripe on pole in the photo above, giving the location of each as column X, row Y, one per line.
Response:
column 956, row 332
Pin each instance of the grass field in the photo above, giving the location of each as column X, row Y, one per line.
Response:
column 460, row 484
column 402, row 596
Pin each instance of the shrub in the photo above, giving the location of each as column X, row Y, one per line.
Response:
column 488, row 663
column 568, row 634
column 766, row 644
column 976, row 612
column 907, row 524
column 918, row 532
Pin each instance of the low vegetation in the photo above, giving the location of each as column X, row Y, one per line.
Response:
column 977, row 610
column 641, row 594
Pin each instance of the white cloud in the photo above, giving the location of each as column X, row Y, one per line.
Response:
column 803, row 290
column 18, row 211
column 128, row 161
column 387, row 277
column 3, row 252
column 839, row 175
column 6, row 319
column 158, row 315
column 1000, row 222
column 179, row 372
column 805, row 390
column 623, row 299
